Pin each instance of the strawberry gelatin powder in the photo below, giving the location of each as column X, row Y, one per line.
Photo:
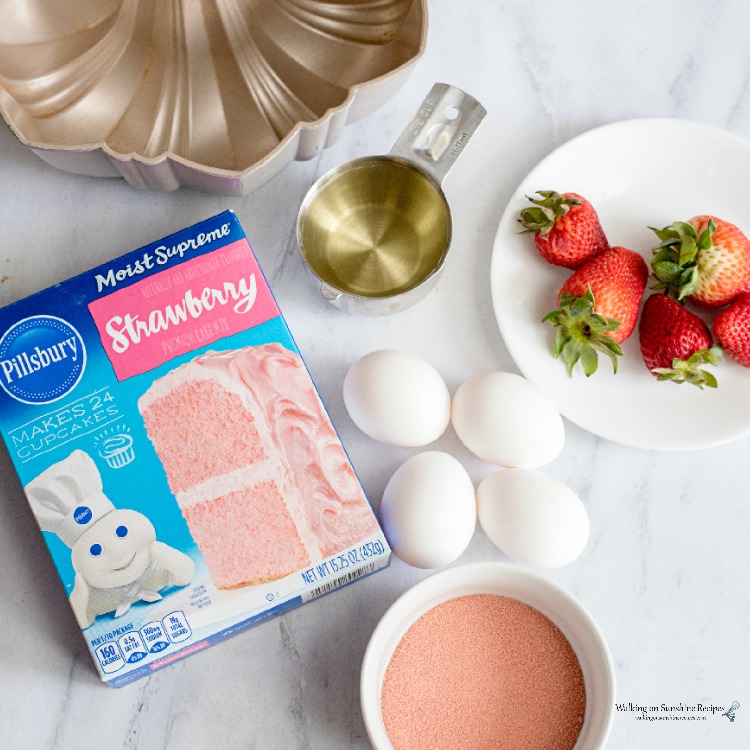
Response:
column 483, row 671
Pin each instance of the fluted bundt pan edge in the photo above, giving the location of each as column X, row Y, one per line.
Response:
column 218, row 95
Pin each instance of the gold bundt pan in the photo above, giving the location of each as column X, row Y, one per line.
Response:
column 215, row 94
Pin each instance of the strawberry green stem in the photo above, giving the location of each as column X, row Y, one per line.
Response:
column 582, row 333
column 542, row 215
column 675, row 258
column 690, row 370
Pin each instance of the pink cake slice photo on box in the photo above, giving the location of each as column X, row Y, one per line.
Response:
column 255, row 464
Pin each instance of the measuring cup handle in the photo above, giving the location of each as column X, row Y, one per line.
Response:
column 440, row 130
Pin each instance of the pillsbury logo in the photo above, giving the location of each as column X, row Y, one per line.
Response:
column 42, row 358
column 82, row 515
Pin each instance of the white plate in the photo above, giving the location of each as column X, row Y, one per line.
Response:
column 636, row 173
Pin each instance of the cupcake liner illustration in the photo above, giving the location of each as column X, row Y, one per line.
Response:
column 116, row 449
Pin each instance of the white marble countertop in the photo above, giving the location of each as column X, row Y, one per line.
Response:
column 664, row 572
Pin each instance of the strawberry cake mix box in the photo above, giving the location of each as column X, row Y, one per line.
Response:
column 184, row 472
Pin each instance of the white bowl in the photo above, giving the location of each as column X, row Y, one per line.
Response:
column 501, row 579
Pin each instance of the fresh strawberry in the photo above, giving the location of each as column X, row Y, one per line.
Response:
column 706, row 259
column 566, row 228
column 676, row 343
column 599, row 307
column 732, row 330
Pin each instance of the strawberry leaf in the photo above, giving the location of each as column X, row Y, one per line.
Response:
column 580, row 306
column 610, row 345
column 571, row 353
column 613, row 352
column 559, row 343
column 667, row 270
column 535, row 220
column 675, row 259
column 688, row 251
column 691, row 370
column 541, row 216
column 688, row 282
column 582, row 334
column 683, row 229
column 589, row 360
column 704, row 239
column 662, row 234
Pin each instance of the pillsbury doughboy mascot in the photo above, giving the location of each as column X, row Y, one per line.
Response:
column 115, row 555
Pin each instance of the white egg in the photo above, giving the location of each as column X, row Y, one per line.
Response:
column 506, row 420
column 532, row 517
column 428, row 510
column 397, row 398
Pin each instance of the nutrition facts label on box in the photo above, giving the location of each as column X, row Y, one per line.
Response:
column 135, row 645
column 177, row 627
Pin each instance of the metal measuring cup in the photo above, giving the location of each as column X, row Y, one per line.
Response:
column 375, row 231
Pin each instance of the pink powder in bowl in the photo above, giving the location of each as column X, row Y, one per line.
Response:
column 483, row 672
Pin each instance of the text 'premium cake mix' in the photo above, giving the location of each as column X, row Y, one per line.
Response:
column 175, row 452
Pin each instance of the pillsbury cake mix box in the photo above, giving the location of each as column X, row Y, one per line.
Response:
column 183, row 470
